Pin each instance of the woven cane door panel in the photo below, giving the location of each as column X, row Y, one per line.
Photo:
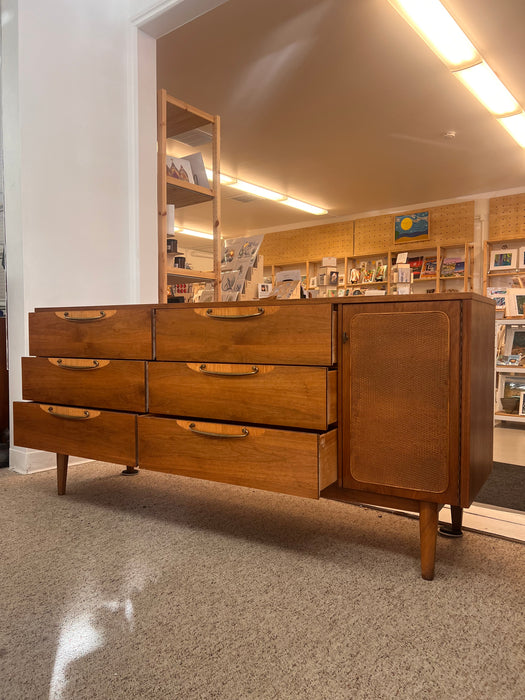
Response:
column 399, row 400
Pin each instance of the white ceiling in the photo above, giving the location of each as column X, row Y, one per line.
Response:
column 340, row 103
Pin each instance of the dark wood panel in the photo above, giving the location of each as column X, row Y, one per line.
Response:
column 110, row 384
column 269, row 394
column 285, row 461
column 105, row 436
column 402, row 393
column 287, row 335
column 477, row 397
column 120, row 333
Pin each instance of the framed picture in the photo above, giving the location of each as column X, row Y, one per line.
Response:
column 515, row 344
column 503, row 259
column 521, row 258
column 411, row 227
column 515, row 302
column 499, row 295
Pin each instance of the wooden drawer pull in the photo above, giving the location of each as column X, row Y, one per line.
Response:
column 245, row 432
column 254, row 370
column 70, row 413
column 219, row 317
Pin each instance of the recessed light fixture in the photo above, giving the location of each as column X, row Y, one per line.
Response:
column 446, row 38
column 265, row 193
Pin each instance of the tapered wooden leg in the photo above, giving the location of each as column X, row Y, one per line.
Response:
column 455, row 529
column 428, row 522
column 62, row 461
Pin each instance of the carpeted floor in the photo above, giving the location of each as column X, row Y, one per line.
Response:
column 505, row 487
column 159, row 587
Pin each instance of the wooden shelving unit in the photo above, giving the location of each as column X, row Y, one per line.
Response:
column 344, row 264
column 174, row 118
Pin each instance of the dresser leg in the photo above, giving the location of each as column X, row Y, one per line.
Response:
column 62, row 461
column 455, row 529
column 130, row 470
column 428, row 522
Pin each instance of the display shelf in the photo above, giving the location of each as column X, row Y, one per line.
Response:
column 183, row 275
column 184, row 194
column 174, row 119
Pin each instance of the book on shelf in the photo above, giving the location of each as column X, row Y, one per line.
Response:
column 179, row 168
column 416, row 263
column 290, row 289
column 429, row 267
column 367, row 275
column 381, row 273
column 453, row 267
column 354, row 275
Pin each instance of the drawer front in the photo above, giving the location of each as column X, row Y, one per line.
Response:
column 106, row 333
column 287, row 335
column 112, row 384
column 101, row 435
column 291, row 462
column 299, row 397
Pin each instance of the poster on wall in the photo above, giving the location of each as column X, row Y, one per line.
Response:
column 409, row 228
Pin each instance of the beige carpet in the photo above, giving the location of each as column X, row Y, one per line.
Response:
column 161, row 587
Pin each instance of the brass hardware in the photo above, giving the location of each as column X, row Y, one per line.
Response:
column 345, row 337
column 83, row 416
column 60, row 363
column 254, row 370
column 209, row 314
column 244, row 433
column 66, row 315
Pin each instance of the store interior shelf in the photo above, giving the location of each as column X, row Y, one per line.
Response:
column 183, row 194
column 191, row 275
column 511, row 417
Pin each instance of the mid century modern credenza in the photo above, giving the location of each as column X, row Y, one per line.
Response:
column 378, row 400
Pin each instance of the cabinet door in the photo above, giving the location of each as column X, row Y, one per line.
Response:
column 401, row 398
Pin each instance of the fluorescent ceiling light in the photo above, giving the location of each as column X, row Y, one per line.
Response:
column 225, row 179
column 258, row 191
column 268, row 194
column 190, row 232
column 484, row 84
column 436, row 26
column 515, row 125
column 310, row 208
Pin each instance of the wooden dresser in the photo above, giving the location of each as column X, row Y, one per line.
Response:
column 379, row 400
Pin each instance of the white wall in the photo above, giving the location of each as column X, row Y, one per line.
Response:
column 71, row 121
column 79, row 120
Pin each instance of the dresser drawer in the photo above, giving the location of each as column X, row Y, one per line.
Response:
column 298, row 397
column 113, row 384
column 286, row 461
column 101, row 435
column 291, row 334
column 108, row 333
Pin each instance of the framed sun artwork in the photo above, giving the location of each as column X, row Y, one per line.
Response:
column 412, row 227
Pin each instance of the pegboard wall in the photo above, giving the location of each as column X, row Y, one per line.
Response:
column 507, row 217
column 448, row 225
column 312, row 243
